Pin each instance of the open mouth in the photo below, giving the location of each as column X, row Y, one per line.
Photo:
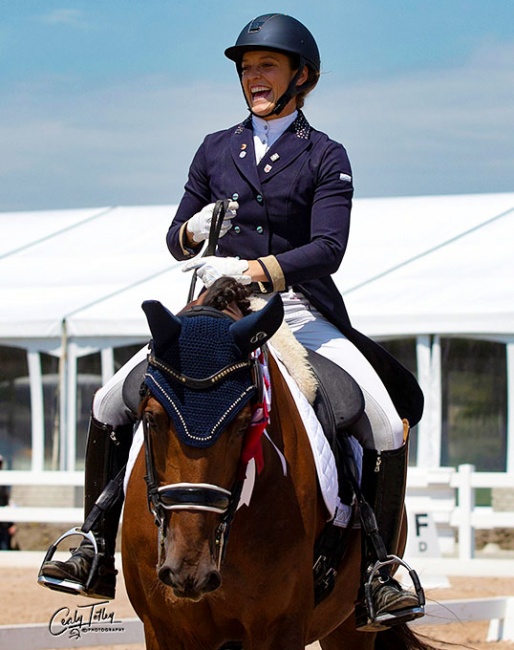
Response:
column 260, row 93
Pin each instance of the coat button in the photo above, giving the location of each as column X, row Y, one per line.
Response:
column 235, row 196
column 237, row 229
column 259, row 198
column 260, row 230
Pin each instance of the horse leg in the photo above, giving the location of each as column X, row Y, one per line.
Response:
column 151, row 642
column 346, row 637
column 283, row 633
column 350, row 640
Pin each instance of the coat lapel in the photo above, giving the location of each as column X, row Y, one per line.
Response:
column 243, row 153
column 292, row 143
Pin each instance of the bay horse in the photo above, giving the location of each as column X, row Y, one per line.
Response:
column 193, row 586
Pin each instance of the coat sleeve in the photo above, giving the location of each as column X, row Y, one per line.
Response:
column 330, row 209
column 195, row 197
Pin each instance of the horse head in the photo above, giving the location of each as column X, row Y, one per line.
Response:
column 201, row 390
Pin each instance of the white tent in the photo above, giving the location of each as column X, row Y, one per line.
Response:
column 439, row 264
column 415, row 266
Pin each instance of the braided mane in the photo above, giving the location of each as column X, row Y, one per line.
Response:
column 228, row 293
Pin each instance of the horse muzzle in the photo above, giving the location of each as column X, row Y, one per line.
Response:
column 190, row 586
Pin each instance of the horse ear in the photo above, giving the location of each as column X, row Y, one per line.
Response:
column 165, row 327
column 254, row 330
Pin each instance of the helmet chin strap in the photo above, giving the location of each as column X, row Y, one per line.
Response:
column 282, row 102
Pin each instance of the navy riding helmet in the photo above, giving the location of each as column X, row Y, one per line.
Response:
column 285, row 34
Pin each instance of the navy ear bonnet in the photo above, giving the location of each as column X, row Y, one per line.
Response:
column 197, row 347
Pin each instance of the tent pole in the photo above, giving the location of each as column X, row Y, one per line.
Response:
column 58, row 437
column 429, row 374
column 510, row 407
column 71, row 406
column 37, row 410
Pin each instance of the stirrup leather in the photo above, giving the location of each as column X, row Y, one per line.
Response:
column 367, row 617
column 70, row 586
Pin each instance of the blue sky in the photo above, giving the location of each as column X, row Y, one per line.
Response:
column 105, row 102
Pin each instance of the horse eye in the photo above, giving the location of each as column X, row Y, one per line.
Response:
column 243, row 426
column 150, row 420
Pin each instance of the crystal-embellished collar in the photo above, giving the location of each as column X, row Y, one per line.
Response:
column 300, row 126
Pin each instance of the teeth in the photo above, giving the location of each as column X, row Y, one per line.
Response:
column 259, row 89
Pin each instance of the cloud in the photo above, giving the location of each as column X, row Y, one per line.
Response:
column 71, row 17
column 433, row 131
column 66, row 146
column 430, row 132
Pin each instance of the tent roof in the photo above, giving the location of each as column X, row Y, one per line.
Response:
column 435, row 264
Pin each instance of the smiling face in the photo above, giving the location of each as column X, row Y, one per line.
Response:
column 265, row 76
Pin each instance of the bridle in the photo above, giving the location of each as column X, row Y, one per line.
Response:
column 197, row 497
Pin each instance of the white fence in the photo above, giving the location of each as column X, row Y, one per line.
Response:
column 446, row 493
column 48, row 514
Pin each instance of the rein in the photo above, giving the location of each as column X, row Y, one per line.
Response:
column 218, row 214
column 202, row 497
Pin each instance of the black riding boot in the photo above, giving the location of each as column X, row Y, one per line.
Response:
column 90, row 570
column 383, row 602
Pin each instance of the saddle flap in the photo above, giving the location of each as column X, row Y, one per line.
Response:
column 131, row 391
column 339, row 401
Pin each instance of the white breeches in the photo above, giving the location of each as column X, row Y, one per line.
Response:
column 380, row 428
column 108, row 404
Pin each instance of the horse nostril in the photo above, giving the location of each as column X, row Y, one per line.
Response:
column 189, row 586
column 166, row 575
column 213, row 581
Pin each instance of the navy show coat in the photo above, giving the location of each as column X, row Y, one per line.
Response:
column 295, row 206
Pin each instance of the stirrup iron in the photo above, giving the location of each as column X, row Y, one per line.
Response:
column 69, row 586
column 385, row 620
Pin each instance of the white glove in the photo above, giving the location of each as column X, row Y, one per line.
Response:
column 210, row 268
column 200, row 224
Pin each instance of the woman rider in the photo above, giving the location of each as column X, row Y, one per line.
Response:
column 286, row 231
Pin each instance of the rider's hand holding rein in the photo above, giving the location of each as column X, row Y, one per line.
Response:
column 199, row 225
column 210, row 268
